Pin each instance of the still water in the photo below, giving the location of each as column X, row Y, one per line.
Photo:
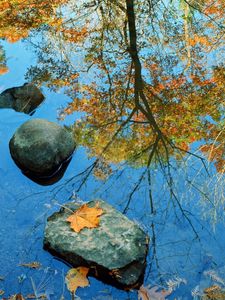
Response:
column 154, row 137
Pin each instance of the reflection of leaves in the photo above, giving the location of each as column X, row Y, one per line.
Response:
column 24, row 16
column 3, row 69
column 102, row 170
column 85, row 217
column 77, row 278
column 146, row 293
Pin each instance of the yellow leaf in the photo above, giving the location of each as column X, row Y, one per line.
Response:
column 77, row 278
column 32, row 296
column 16, row 297
column 85, row 217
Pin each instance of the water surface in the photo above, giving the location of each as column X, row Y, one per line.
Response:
column 146, row 106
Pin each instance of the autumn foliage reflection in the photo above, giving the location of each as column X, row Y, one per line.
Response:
column 185, row 96
column 188, row 110
column 181, row 89
column 18, row 17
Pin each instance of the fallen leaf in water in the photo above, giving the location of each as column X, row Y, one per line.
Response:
column 1, row 292
column 85, row 217
column 19, row 297
column 32, row 265
column 32, row 296
column 214, row 292
column 212, row 288
column 16, row 297
column 146, row 293
column 76, row 277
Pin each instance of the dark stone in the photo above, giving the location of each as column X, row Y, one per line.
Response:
column 115, row 251
column 49, row 179
column 40, row 148
column 24, row 98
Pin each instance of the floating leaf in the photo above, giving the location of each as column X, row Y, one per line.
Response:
column 32, row 265
column 146, row 293
column 19, row 297
column 1, row 292
column 32, row 296
column 16, row 297
column 214, row 292
column 212, row 288
column 85, row 217
column 77, row 277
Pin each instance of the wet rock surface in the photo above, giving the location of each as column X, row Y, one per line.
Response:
column 115, row 251
column 40, row 148
column 24, row 98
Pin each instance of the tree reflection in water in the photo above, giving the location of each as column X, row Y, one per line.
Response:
column 147, row 79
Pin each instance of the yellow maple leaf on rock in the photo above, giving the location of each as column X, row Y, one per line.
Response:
column 85, row 217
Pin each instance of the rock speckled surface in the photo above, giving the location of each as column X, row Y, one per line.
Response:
column 40, row 147
column 115, row 251
column 24, row 98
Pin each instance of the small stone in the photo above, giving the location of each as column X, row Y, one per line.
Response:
column 115, row 251
column 24, row 98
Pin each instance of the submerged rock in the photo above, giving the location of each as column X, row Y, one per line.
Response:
column 41, row 148
column 24, row 98
column 115, row 251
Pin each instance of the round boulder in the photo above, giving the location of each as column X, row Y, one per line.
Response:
column 40, row 147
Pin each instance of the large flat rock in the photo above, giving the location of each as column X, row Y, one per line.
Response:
column 115, row 251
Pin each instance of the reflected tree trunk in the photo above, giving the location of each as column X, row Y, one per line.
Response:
column 139, row 84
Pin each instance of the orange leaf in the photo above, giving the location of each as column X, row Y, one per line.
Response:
column 146, row 293
column 16, row 297
column 3, row 70
column 77, row 278
column 85, row 217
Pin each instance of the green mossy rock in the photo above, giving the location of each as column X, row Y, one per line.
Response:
column 40, row 147
column 115, row 251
